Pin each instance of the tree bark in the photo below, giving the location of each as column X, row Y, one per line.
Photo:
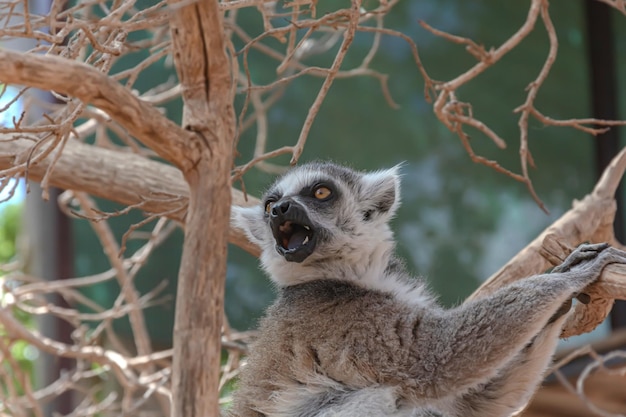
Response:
column 202, row 150
column 205, row 75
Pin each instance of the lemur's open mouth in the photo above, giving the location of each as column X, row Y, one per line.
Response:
column 295, row 241
column 295, row 236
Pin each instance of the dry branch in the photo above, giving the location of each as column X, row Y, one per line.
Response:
column 456, row 115
column 91, row 86
column 132, row 180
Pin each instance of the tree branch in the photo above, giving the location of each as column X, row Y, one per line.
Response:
column 131, row 180
column 91, row 86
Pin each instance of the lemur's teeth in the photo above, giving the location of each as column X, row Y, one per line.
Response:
column 307, row 227
column 306, row 240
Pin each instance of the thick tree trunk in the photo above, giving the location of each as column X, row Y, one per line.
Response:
column 206, row 78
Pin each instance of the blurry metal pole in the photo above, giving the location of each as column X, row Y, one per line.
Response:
column 47, row 231
column 603, row 89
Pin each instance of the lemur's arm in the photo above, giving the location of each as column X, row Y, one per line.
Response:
column 513, row 386
column 477, row 348
column 511, row 389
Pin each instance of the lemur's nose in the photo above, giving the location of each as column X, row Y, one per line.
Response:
column 280, row 208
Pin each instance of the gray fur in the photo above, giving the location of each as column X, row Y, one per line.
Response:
column 352, row 335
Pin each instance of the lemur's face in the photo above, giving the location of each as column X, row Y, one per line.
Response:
column 318, row 211
column 290, row 213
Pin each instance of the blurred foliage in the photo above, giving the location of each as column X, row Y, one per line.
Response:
column 9, row 228
column 21, row 352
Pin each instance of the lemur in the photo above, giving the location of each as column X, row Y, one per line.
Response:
column 351, row 334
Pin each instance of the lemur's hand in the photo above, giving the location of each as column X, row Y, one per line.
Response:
column 580, row 256
column 582, row 259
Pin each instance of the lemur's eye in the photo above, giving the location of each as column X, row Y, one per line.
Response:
column 268, row 206
column 322, row 193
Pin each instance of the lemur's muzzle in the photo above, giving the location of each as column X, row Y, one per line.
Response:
column 292, row 229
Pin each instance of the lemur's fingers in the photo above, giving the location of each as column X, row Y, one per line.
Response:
column 613, row 255
column 584, row 252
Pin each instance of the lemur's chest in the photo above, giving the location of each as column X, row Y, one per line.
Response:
column 295, row 382
column 315, row 349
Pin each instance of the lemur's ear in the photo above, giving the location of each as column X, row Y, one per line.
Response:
column 380, row 193
column 250, row 221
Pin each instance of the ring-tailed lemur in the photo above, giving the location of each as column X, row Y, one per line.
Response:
column 352, row 335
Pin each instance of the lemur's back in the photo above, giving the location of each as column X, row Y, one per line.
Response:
column 313, row 349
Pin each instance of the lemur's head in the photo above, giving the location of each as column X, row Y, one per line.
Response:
column 320, row 219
